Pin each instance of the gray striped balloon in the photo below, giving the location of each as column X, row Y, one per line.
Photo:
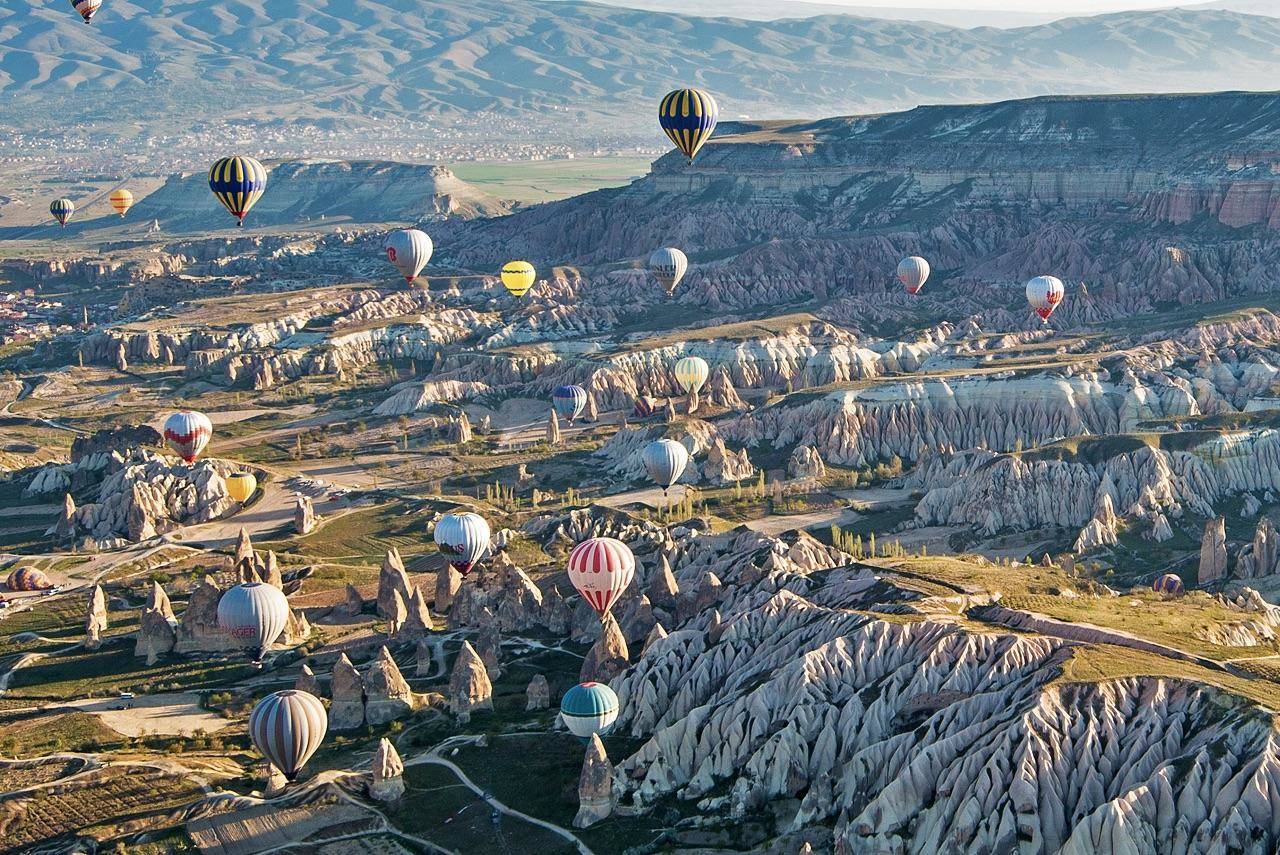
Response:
column 288, row 727
column 463, row 539
column 665, row 460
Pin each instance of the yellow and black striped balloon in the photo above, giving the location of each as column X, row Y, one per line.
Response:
column 518, row 277
column 688, row 117
column 238, row 183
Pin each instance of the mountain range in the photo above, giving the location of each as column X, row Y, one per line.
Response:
column 567, row 64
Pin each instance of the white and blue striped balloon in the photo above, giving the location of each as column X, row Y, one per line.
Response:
column 665, row 460
column 463, row 539
column 569, row 401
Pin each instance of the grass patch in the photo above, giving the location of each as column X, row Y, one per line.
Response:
column 37, row 734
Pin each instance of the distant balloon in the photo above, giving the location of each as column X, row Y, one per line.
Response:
column 122, row 200
column 913, row 272
column 645, row 406
column 665, row 461
column 288, row 727
column 601, row 568
column 688, row 117
column 668, row 266
column 254, row 614
column 86, row 8
column 240, row 486
column 28, row 579
column 463, row 539
column 518, row 277
column 569, row 401
column 692, row 373
column 62, row 209
column 589, row 708
column 238, row 183
column 1168, row 584
column 409, row 250
column 1045, row 293
column 187, row 433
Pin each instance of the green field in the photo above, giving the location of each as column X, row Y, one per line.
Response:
column 548, row 180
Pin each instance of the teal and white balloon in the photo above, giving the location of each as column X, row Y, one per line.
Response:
column 589, row 708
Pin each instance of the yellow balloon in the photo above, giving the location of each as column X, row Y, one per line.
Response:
column 518, row 277
column 121, row 200
column 241, row 485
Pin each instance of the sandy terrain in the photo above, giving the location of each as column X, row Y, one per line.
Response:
column 174, row 713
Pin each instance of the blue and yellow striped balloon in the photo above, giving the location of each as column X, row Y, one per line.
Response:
column 62, row 209
column 688, row 116
column 238, row 183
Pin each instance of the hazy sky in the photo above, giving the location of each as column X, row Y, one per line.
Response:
column 1074, row 6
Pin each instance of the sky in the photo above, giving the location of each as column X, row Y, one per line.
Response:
column 1069, row 6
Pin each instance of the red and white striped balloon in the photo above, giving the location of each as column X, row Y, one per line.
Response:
column 601, row 568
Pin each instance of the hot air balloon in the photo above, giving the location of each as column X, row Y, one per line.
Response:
column 409, row 250
column 28, row 579
column 187, row 434
column 518, row 277
column 1044, row 293
column 589, row 708
column 254, row 614
column 463, row 539
column 240, row 486
column 645, row 406
column 601, row 568
column 238, row 182
column 62, row 209
column 691, row 373
column 688, row 117
column 665, row 460
column 288, row 727
column 668, row 266
column 913, row 272
column 86, row 8
column 122, row 200
column 1168, row 584
column 569, row 401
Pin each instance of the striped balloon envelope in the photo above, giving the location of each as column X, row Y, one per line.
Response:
column 688, row 118
column 665, row 461
column 518, row 277
column 463, row 539
column 254, row 614
column 601, row 568
column 668, row 265
column 1169, row 583
column 1044, row 293
column 408, row 250
column 86, row 8
column 62, row 209
column 122, row 200
column 692, row 373
column 187, row 433
column 913, row 272
column 238, row 183
column 589, row 708
column 288, row 727
column 569, row 401
column 28, row 579
column 240, row 486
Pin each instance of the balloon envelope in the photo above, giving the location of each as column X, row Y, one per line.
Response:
column 28, row 579
column 1045, row 293
column 518, row 277
column 1169, row 583
column 86, row 8
column 688, row 118
column 409, row 250
column 62, row 209
column 122, row 200
column 589, row 708
column 913, row 272
column 569, row 401
column 463, row 539
column 668, row 266
column 187, row 433
column 288, row 727
column 254, row 614
column 238, row 183
column 692, row 373
column 240, row 486
column 601, row 568
column 665, row 461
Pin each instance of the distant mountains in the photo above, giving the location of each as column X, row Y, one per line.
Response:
column 185, row 61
